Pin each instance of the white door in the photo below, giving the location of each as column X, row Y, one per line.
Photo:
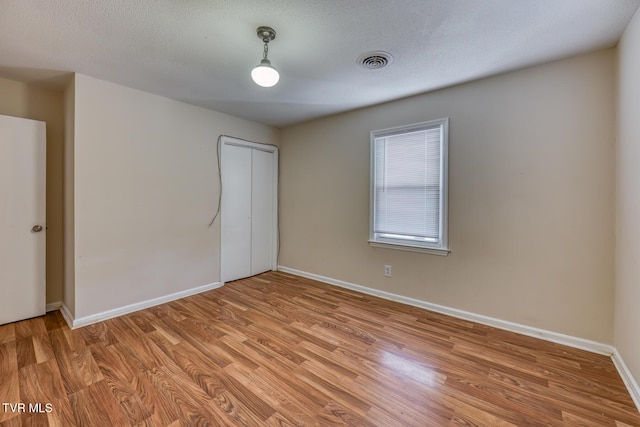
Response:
column 262, row 209
column 235, row 212
column 248, row 209
column 22, row 218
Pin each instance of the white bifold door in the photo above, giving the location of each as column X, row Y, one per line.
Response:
column 248, row 208
column 22, row 218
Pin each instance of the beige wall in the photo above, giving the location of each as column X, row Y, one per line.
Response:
column 28, row 101
column 531, row 195
column 627, row 318
column 146, row 188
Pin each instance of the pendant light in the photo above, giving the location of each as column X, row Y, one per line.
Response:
column 264, row 74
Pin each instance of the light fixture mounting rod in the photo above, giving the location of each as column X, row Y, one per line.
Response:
column 266, row 34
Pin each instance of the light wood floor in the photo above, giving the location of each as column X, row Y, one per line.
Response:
column 279, row 350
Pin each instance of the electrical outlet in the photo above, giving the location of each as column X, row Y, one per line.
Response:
column 387, row 271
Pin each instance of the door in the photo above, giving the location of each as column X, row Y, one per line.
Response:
column 248, row 208
column 235, row 212
column 22, row 219
column 262, row 212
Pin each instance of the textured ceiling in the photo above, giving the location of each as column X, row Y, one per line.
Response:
column 202, row 52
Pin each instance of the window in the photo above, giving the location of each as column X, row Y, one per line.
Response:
column 409, row 187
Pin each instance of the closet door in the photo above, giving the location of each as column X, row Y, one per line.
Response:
column 262, row 212
column 235, row 212
column 248, row 209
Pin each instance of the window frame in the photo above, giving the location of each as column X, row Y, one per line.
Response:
column 442, row 246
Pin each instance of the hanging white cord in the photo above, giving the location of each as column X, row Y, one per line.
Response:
column 220, row 184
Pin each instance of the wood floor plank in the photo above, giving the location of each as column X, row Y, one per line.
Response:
column 73, row 378
column 25, row 352
column 75, row 339
column 120, row 380
column 159, row 409
column 9, row 381
column 86, row 367
column 14, row 421
column 30, row 327
column 62, row 414
column 10, row 392
column 345, row 415
column 478, row 390
column 96, row 405
column 286, row 409
column 7, row 333
column 42, row 348
column 97, row 332
column 54, row 320
column 308, row 397
column 414, row 408
column 185, row 398
column 41, row 383
column 281, row 350
column 234, row 399
column 339, row 391
column 34, row 419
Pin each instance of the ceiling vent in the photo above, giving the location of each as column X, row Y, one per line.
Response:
column 374, row 60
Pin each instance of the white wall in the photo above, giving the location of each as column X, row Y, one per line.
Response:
column 531, row 198
column 69, row 296
column 146, row 188
column 627, row 299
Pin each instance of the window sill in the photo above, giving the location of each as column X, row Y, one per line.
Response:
column 409, row 248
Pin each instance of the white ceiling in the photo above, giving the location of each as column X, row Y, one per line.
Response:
column 202, row 51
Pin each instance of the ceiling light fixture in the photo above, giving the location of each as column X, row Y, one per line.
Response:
column 264, row 74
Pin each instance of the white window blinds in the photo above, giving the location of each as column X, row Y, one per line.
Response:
column 408, row 184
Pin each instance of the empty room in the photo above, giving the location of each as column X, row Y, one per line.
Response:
column 320, row 213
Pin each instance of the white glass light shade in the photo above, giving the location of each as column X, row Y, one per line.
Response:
column 264, row 74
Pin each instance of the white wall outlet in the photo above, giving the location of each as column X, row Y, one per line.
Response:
column 387, row 271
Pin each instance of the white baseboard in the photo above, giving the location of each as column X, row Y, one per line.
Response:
column 66, row 314
column 568, row 340
column 53, row 306
column 627, row 378
column 109, row 314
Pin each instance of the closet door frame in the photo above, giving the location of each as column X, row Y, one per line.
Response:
column 227, row 140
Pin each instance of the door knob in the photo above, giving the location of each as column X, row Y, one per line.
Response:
column 36, row 228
